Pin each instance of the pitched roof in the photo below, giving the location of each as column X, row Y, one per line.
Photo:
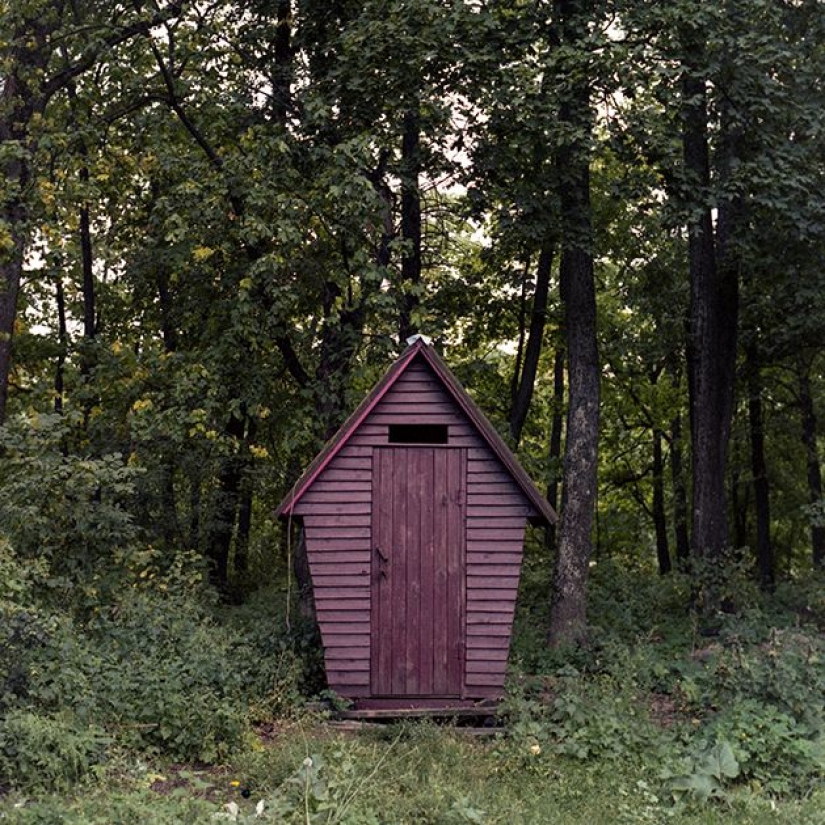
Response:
column 420, row 349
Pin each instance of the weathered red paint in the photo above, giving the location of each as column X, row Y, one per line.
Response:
column 415, row 550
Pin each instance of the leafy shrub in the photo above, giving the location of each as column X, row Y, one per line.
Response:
column 771, row 747
column 69, row 509
column 155, row 669
column 46, row 752
column 582, row 717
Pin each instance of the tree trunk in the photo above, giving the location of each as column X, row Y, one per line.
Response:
column 245, row 501
column 680, row 502
column 659, row 515
column 225, row 506
column 16, row 110
column 764, row 551
column 814, row 472
column 568, row 609
column 283, row 68
column 554, row 453
column 712, row 332
column 62, row 342
column 532, row 352
column 410, row 224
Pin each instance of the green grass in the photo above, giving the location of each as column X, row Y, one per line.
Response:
column 412, row 774
column 649, row 723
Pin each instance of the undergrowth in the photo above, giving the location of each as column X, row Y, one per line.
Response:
column 127, row 693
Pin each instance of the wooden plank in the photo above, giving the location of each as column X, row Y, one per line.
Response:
column 358, row 531
column 324, row 568
column 360, row 652
column 352, row 598
column 504, row 521
column 502, row 556
column 349, row 451
column 499, row 534
column 336, row 513
column 440, row 577
column 476, row 644
column 459, row 438
column 489, row 485
column 328, row 617
column 417, row 418
column 485, row 679
column 475, row 582
column 403, row 408
column 359, row 518
column 354, row 664
column 476, row 608
column 338, row 547
column 344, row 474
column 476, row 617
column 398, row 668
column 341, row 582
column 354, row 494
column 479, row 495
column 488, row 570
column 382, row 587
column 485, row 654
column 487, row 693
column 423, row 708
column 348, row 677
column 493, row 514
column 428, row 494
column 495, row 546
column 456, row 492
column 348, row 481
column 475, row 668
column 341, row 638
column 415, row 503
column 491, row 593
column 489, row 629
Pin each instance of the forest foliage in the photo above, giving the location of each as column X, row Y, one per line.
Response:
column 220, row 221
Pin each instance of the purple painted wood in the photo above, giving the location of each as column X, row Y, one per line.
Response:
column 418, row 569
column 426, row 621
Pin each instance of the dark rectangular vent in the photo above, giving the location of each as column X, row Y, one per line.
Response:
column 418, row 434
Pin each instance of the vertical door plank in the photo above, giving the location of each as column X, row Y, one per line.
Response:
column 398, row 575
column 428, row 510
column 440, row 590
column 455, row 543
column 413, row 571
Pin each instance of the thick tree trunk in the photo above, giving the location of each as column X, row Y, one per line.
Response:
column 659, row 515
column 532, row 352
column 759, row 469
column 16, row 109
column 814, row 471
column 568, row 609
column 712, row 334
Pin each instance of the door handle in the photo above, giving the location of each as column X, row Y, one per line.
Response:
column 381, row 557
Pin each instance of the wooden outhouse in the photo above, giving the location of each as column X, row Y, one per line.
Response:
column 414, row 517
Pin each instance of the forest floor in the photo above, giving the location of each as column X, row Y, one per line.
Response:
column 308, row 771
column 652, row 722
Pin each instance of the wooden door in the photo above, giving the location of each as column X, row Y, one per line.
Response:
column 418, row 587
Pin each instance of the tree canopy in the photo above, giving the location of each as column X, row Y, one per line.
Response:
column 220, row 221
